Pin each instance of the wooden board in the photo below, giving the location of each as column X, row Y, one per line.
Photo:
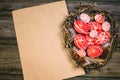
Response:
column 10, row 66
column 9, row 58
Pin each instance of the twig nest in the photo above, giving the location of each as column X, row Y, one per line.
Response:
column 89, row 34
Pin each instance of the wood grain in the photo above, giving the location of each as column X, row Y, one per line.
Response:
column 7, row 29
column 10, row 66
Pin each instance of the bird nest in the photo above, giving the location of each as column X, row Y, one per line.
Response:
column 82, row 31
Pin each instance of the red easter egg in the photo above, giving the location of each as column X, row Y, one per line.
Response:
column 93, row 33
column 106, row 26
column 102, row 38
column 99, row 18
column 80, row 41
column 95, row 26
column 85, row 17
column 81, row 53
column 81, row 27
column 94, row 51
column 90, row 41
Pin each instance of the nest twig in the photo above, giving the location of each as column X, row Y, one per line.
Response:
column 68, row 33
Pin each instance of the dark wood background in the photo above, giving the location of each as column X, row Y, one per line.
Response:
column 10, row 65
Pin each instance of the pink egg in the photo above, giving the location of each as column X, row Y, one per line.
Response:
column 81, row 53
column 102, row 38
column 99, row 18
column 106, row 26
column 93, row 33
column 85, row 17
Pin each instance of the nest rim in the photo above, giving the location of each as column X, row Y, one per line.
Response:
column 91, row 10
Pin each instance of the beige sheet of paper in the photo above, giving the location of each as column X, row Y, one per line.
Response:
column 40, row 45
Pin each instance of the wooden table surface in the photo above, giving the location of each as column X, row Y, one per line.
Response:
column 10, row 65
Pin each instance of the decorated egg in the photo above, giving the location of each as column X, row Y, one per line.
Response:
column 81, row 27
column 81, row 53
column 106, row 26
column 102, row 38
column 80, row 41
column 95, row 26
column 93, row 33
column 94, row 51
column 105, row 37
column 85, row 17
column 99, row 18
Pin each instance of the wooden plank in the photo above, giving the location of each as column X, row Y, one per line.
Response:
column 9, row 6
column 13, row 68
column 96, row 77
column 7, row 29
column 55, row 0
column 97, row 0
column 9, row 54
column 80, row 78
column 28, row 0
column 8, row 41
column 86, row 78
column 9, row 60
column 107, row 78
column 11, row 77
